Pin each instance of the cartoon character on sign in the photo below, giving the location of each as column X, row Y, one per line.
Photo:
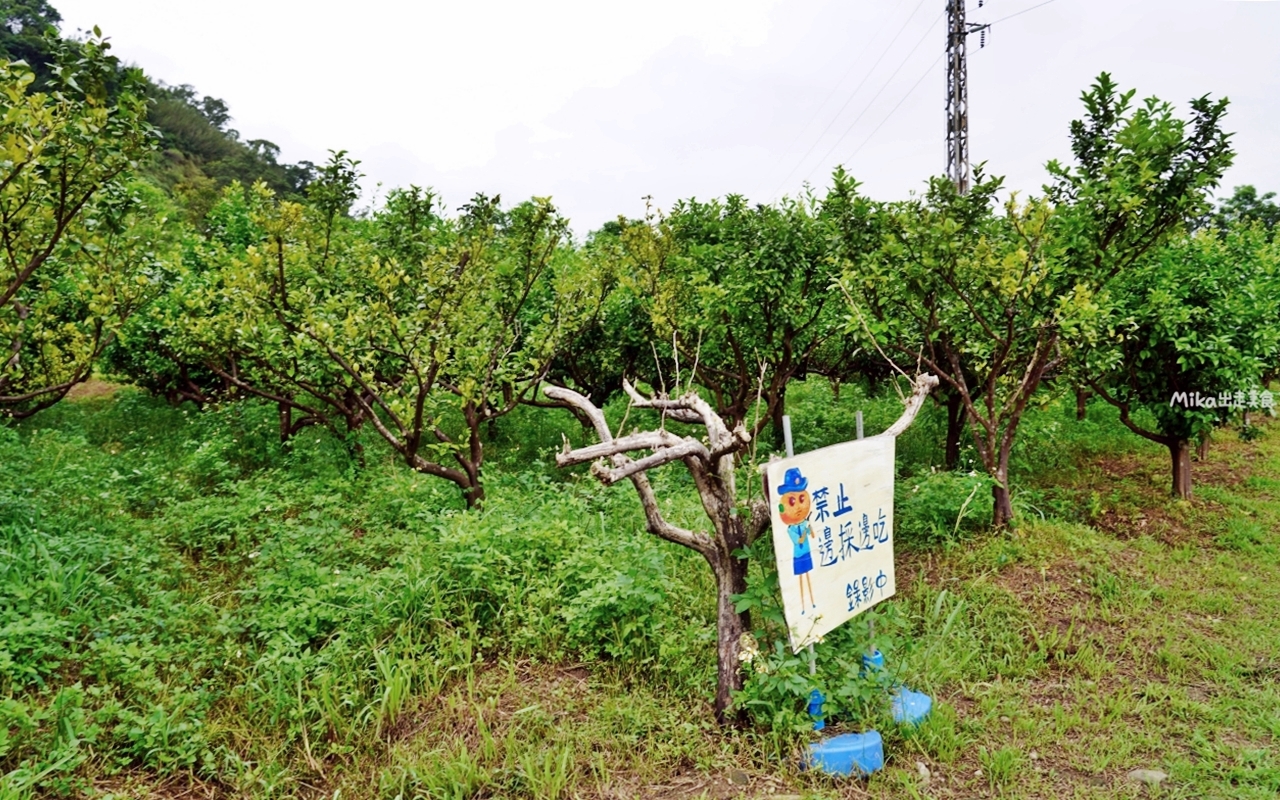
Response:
column 793, row 507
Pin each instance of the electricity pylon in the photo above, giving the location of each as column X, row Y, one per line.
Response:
column 958, row 94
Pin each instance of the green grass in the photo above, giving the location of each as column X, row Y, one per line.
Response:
column 187, row 605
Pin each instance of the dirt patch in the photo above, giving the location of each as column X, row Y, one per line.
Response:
column 1154, row 520
column 1118, row 467
column 1058, row 597
column 148, row 787
column 689, row 783
column 93, row 389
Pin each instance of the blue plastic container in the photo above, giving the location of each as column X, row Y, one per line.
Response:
column 815, row 710
column 849, row 754
column 872, row 662
column 910, row 708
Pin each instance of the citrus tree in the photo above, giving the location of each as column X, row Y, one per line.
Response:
column 995, row 304
column 743, row 296
column 1196, row 319
column 78, row 244
column 975, row 298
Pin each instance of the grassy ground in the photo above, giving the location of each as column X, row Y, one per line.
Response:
column 1149, row 641
column 189, row 610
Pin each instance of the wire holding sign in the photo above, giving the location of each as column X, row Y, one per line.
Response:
column 832, row 515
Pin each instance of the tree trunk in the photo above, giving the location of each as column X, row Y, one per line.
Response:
column 1180, row 454
column 285, row 412
column 473, row 493
column 779, row 409
column 1202, row 452
column 1002, row 508
column 1082, row 400
column 731, row 579
column 955, row 429
column 355, row 449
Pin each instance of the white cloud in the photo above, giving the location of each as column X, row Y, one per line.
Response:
column 599, row 104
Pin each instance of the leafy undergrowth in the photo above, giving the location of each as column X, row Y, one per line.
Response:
column 188, row 609
column 1147, row 641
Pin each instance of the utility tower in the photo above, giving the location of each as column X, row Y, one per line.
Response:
column 958, row 94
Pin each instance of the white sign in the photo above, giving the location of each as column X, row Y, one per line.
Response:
column 832, row 513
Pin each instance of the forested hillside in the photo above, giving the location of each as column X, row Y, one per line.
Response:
column 199, row 152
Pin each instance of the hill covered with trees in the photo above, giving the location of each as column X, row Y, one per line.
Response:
column 199, row 154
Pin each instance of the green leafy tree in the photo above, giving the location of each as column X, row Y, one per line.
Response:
column 1196, row 319
column 422, row 326
column 75, row 254
column 1245, row 205
column 1141, row 174
column 240, row 316
column 617, row 341
column 972, row 297
column 445, row 337
column 225, row 324
column 169, row 347
column 743, row 293
column 996, row 304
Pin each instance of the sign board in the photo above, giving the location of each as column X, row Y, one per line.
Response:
column 832, row 512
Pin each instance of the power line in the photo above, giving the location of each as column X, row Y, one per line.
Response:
column 1019, row 13
column 872, row 101
column 900, row 102
column 835, row 88
column 852, row 95
column 958, row 31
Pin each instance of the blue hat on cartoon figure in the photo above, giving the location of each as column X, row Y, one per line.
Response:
column 793, row 482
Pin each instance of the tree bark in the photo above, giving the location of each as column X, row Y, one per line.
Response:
column 285, row 412
column 1082, row 401
column 1002, row 502
column 473, row 492
column 1002, row 508
column 1202, row 452
column 955, row 429
column 779, row 410
column 731, row 579
column 1180, row 454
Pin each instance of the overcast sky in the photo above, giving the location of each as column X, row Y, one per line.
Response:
column 599, row 103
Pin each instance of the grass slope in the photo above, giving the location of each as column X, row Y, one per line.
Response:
column 189, row 610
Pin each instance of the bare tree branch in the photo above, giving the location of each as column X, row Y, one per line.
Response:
column 923, row 384
column 583, row 404
column 678, row 410
column 652, row 440
column 688, row 447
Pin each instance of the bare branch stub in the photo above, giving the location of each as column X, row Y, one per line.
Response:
column 651, row 440
column 921, row 386
column 658, row 441
column 710, row 463
column 678, row 410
